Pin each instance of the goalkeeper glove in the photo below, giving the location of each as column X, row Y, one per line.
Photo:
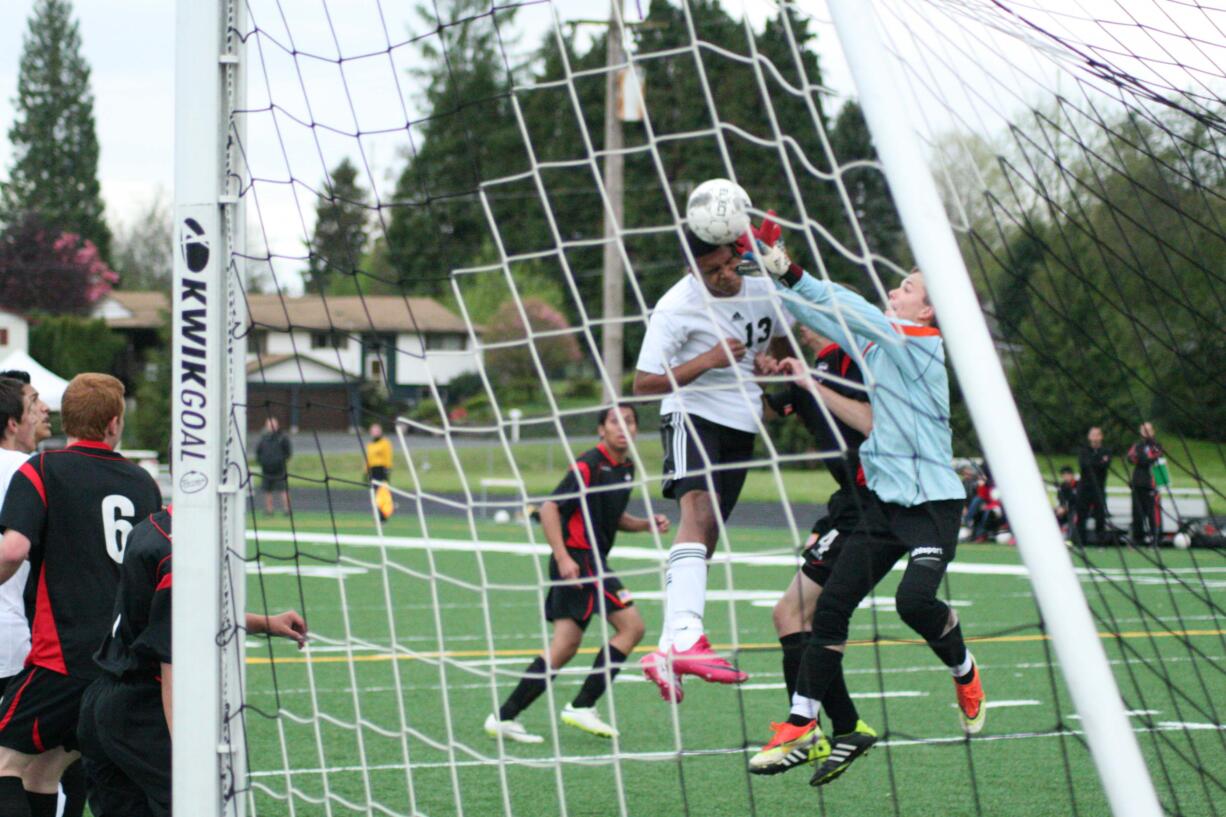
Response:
column 774, row 261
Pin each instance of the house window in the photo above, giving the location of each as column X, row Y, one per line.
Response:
column 257, row 342
column 450, row 342
column 329, row 340
column 376, row 368
column 4, row 337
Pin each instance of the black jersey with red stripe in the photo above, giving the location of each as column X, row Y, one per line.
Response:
column 77, row 506
column 608, row 484
column 139, row 640
column 798, row 400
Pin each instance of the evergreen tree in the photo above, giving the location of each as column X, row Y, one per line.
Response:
column 55, row 167
column 341, row 219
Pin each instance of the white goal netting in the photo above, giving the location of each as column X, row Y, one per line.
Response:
column 426, row 195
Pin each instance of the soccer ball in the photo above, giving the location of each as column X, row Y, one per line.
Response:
column 501, row 517
column 718, row 211
column 1182, row 541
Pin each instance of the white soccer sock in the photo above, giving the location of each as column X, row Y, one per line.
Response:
column 686, row 593
column 805, row 707
column 964, row 667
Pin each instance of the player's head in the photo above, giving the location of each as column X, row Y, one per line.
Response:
column 93, row 407
column 34, row 424
column 1147, row 430
column 716, row 265
column 617, row 426
column 1095, row 436
column 909, row 300
column 12, row 412
column 1067, row 474
column 376, row 430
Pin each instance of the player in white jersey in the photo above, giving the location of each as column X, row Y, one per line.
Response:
column 24, row 422
column 699, row 351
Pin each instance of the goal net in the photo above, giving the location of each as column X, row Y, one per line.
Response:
column 431, row 221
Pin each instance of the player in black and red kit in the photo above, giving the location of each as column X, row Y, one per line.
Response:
column 125, row 717
column 595, row 491
column 1144, row 454
column 850, row 513
column 69, row 512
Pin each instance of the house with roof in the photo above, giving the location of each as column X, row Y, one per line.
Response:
column 310, row 358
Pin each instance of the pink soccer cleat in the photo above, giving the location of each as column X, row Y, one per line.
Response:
column 707, row 664
column 656, row 667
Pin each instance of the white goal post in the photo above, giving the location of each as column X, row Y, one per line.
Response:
column 208, row 424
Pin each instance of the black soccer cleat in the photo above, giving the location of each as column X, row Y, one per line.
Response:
column 844, row 749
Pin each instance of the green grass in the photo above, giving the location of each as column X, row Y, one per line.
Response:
column 429, row 700
column 539, row 463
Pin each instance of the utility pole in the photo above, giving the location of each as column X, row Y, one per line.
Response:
column 614, row 285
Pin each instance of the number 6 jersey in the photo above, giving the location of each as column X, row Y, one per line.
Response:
column 77, row 506
column 688, row 321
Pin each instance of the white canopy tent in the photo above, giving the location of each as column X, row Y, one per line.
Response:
column 49, row 384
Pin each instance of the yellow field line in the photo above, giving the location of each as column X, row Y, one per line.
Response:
column 999, row 639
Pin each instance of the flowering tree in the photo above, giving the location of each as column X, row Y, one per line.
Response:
column 515, row 364
column 44, row 271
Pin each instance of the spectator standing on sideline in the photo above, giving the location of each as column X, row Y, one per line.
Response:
column 1066, row 498
column 1093, row 461
column 379, row 470
column 1145, row 454
column 273, row 454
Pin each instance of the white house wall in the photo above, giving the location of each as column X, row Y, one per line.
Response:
column 18, row 334
column 444, row 365
column 299, row 342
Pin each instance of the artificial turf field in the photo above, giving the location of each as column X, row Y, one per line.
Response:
column 420, row 747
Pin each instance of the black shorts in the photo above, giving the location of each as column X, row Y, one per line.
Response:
column 125, row 748
column 40, row 711
column 928, row 531
column 378, row 473
column 275, row 482
column 821, row 551
column 685, row 468
column 580, row 602
column 850, row 512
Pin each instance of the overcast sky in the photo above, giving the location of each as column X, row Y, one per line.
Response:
column 129, row 45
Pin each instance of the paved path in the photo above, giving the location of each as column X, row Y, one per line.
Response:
column 747, row 514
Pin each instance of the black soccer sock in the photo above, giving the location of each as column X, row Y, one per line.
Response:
column 838, row 705
column 818, row 669
column 793, row 649
column 73, row 783
column 13, row 800
column 950, row 648
column 43, row 805
column 529, row 689
column 594, row 685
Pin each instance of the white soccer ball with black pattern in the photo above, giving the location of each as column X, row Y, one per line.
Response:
column 718, row 211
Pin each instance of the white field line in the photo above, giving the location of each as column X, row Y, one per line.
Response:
column 597, row 760
column 635, row 553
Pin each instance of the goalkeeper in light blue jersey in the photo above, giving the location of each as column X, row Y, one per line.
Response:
column 907, row 462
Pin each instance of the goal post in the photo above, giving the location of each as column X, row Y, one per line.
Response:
column 1006, row 445
column 208, row 417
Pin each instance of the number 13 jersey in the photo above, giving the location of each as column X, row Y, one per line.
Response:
column 77, row 506
column 688, row 321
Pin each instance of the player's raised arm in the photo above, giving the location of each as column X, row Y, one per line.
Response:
column 858, row 414
column 638, row 524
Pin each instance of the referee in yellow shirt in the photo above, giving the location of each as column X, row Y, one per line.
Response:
column 379, row 469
